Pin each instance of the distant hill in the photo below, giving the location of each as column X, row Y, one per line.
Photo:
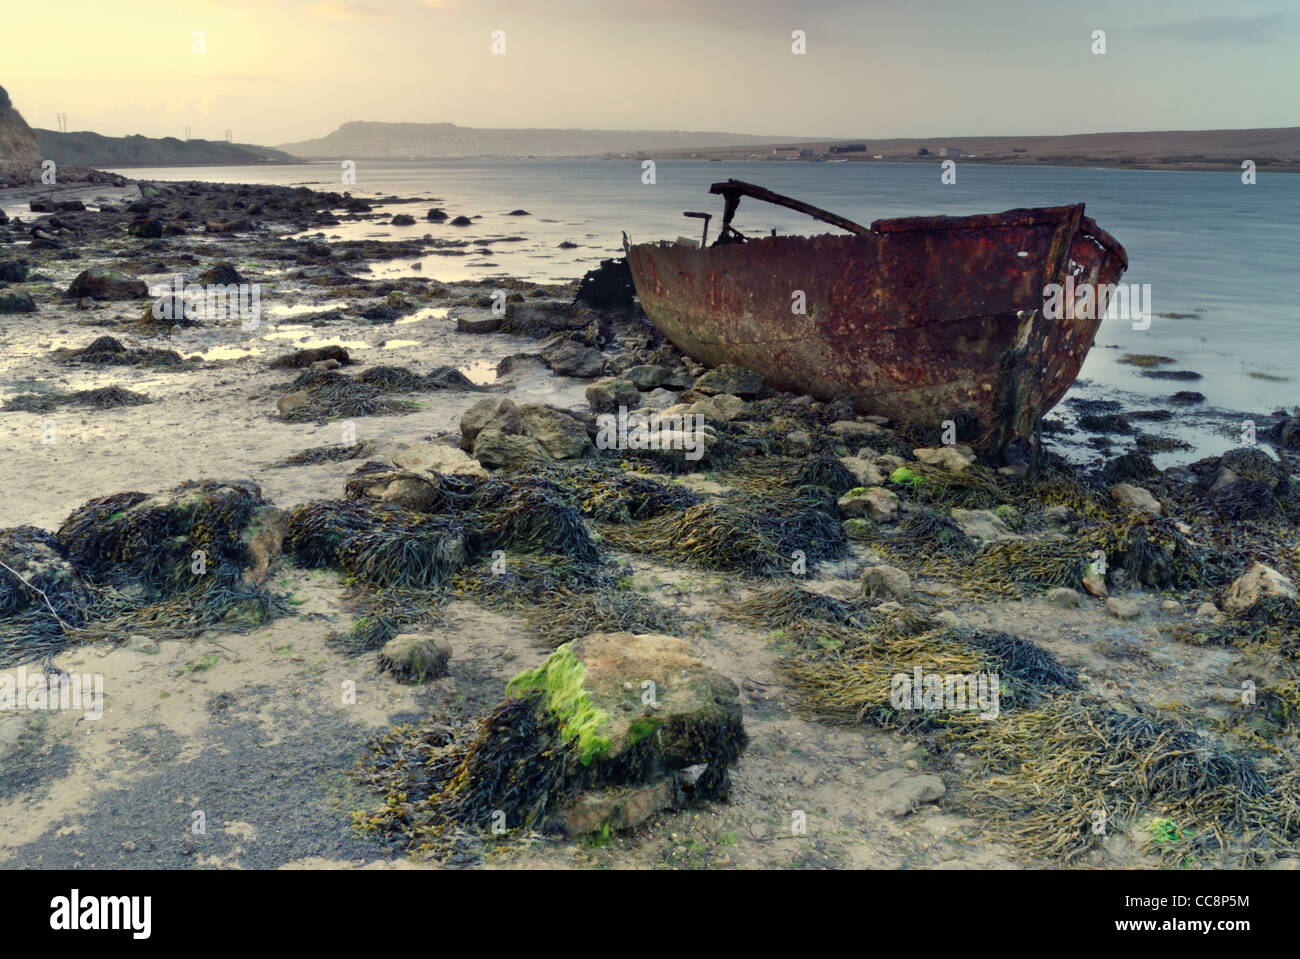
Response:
column 18, row 151
column 1276, row 148
column 92, row 150
column 420, row 141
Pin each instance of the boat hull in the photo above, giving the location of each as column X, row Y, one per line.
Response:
column 923, row 320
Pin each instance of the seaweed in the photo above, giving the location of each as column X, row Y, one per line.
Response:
column 103, row 398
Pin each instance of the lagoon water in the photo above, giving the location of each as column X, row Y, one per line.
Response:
column 1219, row 255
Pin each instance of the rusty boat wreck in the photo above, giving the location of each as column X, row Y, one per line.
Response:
column 921, row 319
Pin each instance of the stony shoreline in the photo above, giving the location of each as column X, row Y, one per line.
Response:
column 367, row 449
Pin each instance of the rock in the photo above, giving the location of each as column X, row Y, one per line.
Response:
column 143, row 644
column 721, row 408
column 1257, row 582
column 462, row 221
column 290, row 402
column 864, row 470
column 221, row 274
column 1135, row 497
column 983, row 525
column 147, row 228
column 1171, row 606
column 608, row 394
column 646, row 376
column 619, row 809
column 301, row 359
column 100, row 283
column 414, row 659
column 561, row 435
column 731, row 379
column 1057, row 513
column 800, row 441
column 901, row 793
column 495, row 449
column 1123, row 608
column 429, row 458
column 943, row 457
column 683, row 742
column 496, row 413
column 1064, row 597
column 859, row 503
column 852, row 431
column 436, row 215
column 262, row 539
column 18, row 302
column 886, row 582
column 402, row 219
column 882, row 504
column 888, row 462
column 12, row 271
column 573, row 359
column 518, row 213
column 478, row 324
column 228, row 226
column 659, row 399
column 1207, row 611
column 69, row 206
column 679, row 380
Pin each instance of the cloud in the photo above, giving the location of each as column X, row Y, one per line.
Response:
column 346, row 10
column 438, row 4
column 1262, row 29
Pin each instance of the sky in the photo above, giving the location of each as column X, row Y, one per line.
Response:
column 278, row 71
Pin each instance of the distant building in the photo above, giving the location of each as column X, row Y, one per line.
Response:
column 807, row 153
column 849, row 148
column 950, row 152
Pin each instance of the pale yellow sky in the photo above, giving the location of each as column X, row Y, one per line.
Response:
column 275, row 71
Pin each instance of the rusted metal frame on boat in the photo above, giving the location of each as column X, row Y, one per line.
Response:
column 732, row 190
column 706, row 217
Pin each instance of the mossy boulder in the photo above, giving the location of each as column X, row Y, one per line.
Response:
column 638, row 711
column 735, row 380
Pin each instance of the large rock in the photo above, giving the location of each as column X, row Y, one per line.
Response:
column 608, row 394
column 864, row 470
column 943, row 457
column 873, row 502
column 886, row 582
column 1135, row 497
column 18, row 302
column 900, row 792
column 722, row 408
column 1256, row 583
column 496, row 413
column 495, row 449
column 983, row 525
column 646, row 376
column 574, row 359
column 731, row 379
column 561, row 435
column 100, row 283
column 653, row 724
column 429, row 458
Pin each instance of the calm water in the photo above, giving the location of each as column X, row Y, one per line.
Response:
column 1207, row 244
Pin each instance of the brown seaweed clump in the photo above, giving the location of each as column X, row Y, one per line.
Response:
column 103, row 398
column 109, row 351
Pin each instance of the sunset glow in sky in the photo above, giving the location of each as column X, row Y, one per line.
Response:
column 276, row 71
